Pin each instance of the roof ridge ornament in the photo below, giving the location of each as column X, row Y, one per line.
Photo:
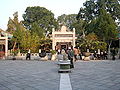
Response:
column 63, row 28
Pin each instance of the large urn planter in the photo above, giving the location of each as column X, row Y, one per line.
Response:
column 87, row 56
column 53, row 57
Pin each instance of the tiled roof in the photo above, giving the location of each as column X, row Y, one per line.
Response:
column 3, row 33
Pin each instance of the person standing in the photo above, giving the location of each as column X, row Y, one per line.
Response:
column 95, row 55
column 75, row 53
column 113, row 52
column 102, row 55
column 59, row 51
column 64, row 54
column 105, row 55
column 80, row 53
column 39, row 52
column 28, row 55
column 70, row 57
column 43, row 53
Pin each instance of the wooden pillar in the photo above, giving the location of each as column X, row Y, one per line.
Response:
column 73, row 37
column 53, row 39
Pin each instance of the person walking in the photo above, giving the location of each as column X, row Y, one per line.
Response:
column 70, row 57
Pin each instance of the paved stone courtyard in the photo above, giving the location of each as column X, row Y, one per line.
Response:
column 43, row 75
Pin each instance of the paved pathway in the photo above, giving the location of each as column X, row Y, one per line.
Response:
column 43, row 75
column 65, row 82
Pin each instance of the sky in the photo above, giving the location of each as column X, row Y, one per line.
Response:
column 58, row 7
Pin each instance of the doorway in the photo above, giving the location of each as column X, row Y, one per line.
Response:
column 2, row 50
column 63, row 46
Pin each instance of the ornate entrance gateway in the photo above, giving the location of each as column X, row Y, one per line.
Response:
column 63, row 38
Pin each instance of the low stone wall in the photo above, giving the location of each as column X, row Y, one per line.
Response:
column 32, row 54
column 22, row 56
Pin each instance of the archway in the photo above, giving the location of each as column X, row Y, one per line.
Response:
column 63, row 38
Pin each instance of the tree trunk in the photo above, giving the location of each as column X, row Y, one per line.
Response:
column 14, row 46
column 83, row 34
column 109, row 45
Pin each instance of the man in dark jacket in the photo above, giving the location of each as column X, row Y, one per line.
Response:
column 70, row 57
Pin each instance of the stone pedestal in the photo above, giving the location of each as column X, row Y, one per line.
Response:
column 86, row 58
column 53, row 57
column 44, row 58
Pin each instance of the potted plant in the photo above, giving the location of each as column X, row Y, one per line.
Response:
column 2, row 54
column 53, row 53
column 86, row 54
column 14, row 53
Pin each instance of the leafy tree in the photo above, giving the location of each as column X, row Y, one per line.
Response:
column 41, row 16
column 12, row 23
column 22, row 38
column 67, row 20
column 29, row 41
column 80, row 26
column 39, row 21
column 104, row 26
column 92, row 9
column 91, row 42
column 101, row 16
column 16, row 28
column 71, row 22
column 38, row 30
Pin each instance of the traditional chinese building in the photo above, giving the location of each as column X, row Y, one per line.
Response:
column 4, row 42
column 63, row 38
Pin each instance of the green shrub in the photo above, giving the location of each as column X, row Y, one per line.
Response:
column 53, row 52
column 15, row 52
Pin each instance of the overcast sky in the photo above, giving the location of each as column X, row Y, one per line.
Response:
column 58, row 7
